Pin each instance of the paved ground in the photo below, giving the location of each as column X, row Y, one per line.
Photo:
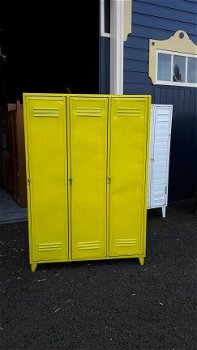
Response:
column 10, row 211
column 109, row 305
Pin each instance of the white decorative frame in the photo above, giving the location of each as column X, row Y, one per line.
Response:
column 179, row 44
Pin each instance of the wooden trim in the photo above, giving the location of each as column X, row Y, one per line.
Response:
column 116, row 47
column 120, row 27
column 127, row 18
column 21, row 155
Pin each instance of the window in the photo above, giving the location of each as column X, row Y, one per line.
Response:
column 105, row 18
column 164, row 67
column 192, row 70
column 108, row 15
column 173, row 61
column 179, row 68
column 174, row 68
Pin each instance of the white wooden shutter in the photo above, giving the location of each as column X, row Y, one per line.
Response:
column 151, row 152
column 159, row 155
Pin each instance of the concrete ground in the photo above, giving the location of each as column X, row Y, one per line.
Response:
column 106, row 305
column 10, row 211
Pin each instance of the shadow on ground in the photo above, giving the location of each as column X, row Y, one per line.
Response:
column 106, row 305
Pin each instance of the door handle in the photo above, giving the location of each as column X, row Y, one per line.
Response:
column 109, row 180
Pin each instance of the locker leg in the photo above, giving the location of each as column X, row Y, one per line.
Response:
column 141, row 260
column 33, row 267
column 163, row 212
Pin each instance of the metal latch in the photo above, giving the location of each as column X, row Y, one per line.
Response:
column 109, row 180
column 28, row 180
column 70, row 182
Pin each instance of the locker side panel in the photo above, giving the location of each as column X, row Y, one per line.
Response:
column 151, row 153
column 160, row 162
column 88, row 155
column 128, row 171
column 47, row 169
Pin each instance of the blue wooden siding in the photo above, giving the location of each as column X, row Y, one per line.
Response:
column 160, row 19
column 104, row 50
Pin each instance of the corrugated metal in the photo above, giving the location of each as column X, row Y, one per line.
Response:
column 159, row 20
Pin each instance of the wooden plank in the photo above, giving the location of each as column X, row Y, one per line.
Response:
column 22, row 187
column 164, row 11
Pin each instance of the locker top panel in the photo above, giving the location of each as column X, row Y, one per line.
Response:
column 51, row 95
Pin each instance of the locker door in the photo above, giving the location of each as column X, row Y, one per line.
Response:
column 88, row 120
column 161, row 153
column 47, row 168
column 128, row 169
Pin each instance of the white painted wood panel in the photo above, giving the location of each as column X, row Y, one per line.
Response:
column 160, row 135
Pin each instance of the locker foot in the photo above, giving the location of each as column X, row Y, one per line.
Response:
column 33, row 267
column 141, row 260
column 163, row 212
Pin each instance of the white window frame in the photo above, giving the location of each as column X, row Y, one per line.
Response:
column 174, row 83
column 102, row 20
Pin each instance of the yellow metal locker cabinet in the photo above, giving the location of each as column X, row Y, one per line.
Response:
column 87, row 176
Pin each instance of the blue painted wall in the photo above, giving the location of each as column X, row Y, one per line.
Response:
column 104, row 66
column 160, row 19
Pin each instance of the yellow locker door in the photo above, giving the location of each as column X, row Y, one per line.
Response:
column 88, row 122
column 128, row 168
column 47, row 163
